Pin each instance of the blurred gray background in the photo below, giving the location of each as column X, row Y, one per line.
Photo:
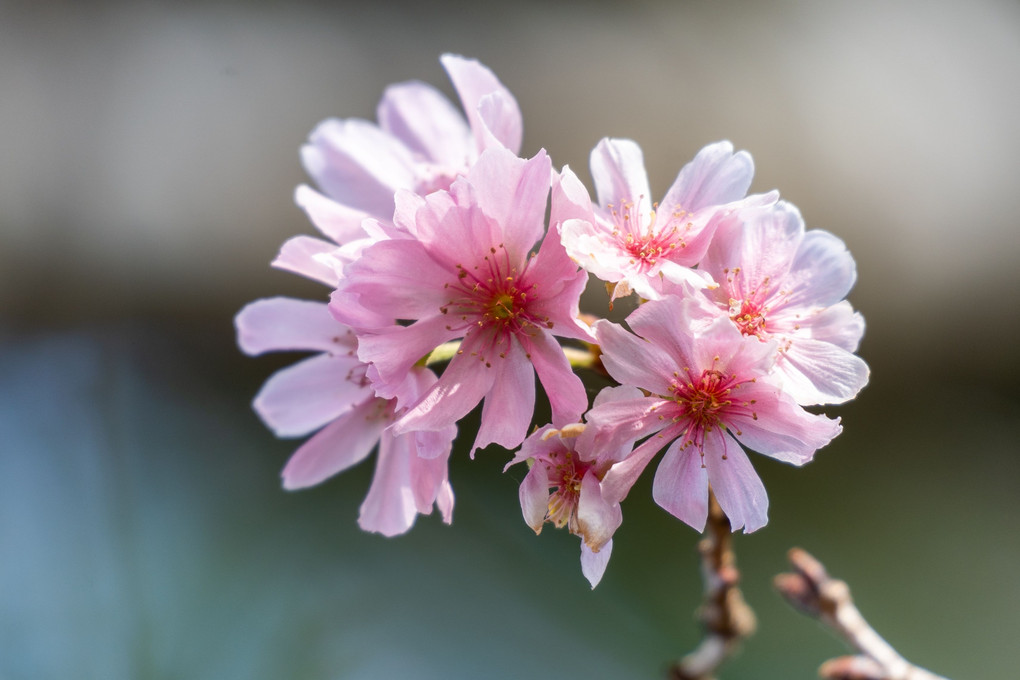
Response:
column 148, row 154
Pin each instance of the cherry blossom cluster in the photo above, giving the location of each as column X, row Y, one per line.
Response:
column 439, row 254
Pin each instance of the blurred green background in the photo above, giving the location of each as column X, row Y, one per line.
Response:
column 148, row 155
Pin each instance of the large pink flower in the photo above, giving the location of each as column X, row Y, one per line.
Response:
column 420, row 144
column 708, row 389
column 778, row 282
column 467, row 271
column 330, row 393
column 637, row 244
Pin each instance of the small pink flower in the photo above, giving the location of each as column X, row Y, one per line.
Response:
column 780, row 282
column 708, row 389
column 636, row 244
column 564, row 486
column 329, row 392
column 466, row 272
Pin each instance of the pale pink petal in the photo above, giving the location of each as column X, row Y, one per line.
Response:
column 838, row 324
column 681, row 485
column 593, row 564
column 514, row 193
column 338, row 222
column 474, row 81
column 816, row 372
column 737, row 487
column 558, row 288
column 393, row 353
column 359, row 165
column 678, row 274
column 618, row 423
column 390, row 507
column 427, row 123
column 622, row 476
column 429, row 478
column 590, row 246
column 501, row 119
column 715, row 176
column 618, row 169
column 570, row 199
column 278, row 324
column 534, row 495
column 444, row 502
column 782, row 429
column 597, row 518
column 822, row 273
column 309, row 257
column 616, row 393
column 344, row 442
column 463, row 384
column 305, row 396
column 632, row 360
column 396, row 278
column 564, row 389
column 510, row 404
column 454, row 231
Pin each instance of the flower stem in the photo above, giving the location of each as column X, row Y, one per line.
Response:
column 726, row 618
column 811, row 591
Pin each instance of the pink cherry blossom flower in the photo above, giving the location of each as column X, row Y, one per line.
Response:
column 564, row 486
column 465, row 272
column 708, row 389
column 636, row 244
column 329, row 392
column 420, row 144
column 778, row 282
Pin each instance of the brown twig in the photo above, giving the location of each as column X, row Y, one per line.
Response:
column 725, row 616
column 814, row 593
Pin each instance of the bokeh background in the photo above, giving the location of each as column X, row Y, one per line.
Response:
column 148, row 154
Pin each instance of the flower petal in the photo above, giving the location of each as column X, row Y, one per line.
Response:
column 681, row 485
column 534, row 495
column 737, row 487
column 426, row 122
column 815, row 372
column 716, row 176
column 338, row 222
column 341, row 444
column 618, row 170
column 510, row 404
column 309, row 257
column 593, row 564
column 359, row 165
column 463, row 384
column 474, row 81
column 404, row 485
column 597, row 518
column 513, row 193
column 565, row 390
column 393, row 351
column 780, row 428
column 838, row 324
column 822, row 273
column 280, row 324
column 305, row 396
column 501, row 119
column 632, row 360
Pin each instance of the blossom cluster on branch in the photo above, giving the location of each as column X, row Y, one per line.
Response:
column 443, row 247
